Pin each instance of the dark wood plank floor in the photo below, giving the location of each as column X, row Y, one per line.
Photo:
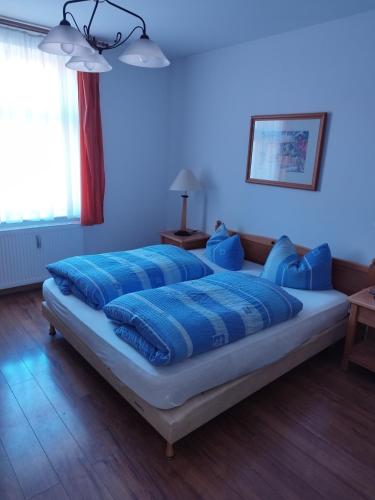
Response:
column 65, row 433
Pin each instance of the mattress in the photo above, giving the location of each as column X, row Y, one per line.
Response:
column 171, row 386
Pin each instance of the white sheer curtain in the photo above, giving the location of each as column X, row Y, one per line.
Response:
column 39, row 132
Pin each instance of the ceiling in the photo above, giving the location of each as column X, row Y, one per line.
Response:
column 184, row 27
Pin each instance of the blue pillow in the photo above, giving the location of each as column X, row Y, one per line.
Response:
column 312, row 271
column 224, row 250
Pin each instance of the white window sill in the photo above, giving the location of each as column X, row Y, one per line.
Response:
column 38, row 225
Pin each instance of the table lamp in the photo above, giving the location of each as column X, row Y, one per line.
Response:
column 185, row 181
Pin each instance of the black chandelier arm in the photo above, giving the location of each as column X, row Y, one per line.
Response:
column 128, row 36
column 86, row 28
column 68, row 3
column 127, row 11
column 68, row 13
column 92, row 16
column 119, row 40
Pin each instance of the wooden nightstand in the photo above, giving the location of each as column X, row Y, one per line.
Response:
column 196, row 240
column 362, row 310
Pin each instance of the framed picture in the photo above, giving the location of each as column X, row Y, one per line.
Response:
column 285, row 150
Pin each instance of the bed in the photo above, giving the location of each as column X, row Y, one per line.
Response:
column 179, row 398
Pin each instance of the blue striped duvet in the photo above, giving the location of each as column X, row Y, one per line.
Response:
column 178, row 321
column 98, row 279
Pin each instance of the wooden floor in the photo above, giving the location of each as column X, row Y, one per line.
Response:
column 64, row 433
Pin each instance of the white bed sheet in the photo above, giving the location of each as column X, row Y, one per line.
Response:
column 248, row 266
column 170, row 386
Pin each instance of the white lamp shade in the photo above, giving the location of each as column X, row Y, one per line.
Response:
column 65, row 40
column 185, row 181
column 145, row 53
column 92, row 63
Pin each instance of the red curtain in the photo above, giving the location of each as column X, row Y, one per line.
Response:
column 92, row 158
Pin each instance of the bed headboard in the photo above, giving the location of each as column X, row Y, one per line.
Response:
column 348, row 277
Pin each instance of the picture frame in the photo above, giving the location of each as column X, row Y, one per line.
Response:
column 286, row 150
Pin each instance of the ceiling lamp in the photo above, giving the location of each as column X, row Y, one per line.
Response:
column 92, row 63
column 86, row 50
column 144, row 52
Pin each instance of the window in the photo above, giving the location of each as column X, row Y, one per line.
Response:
column 39, row 133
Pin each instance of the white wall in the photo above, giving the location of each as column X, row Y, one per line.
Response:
column 196, row 115
column 328, row 67
column 134, row 118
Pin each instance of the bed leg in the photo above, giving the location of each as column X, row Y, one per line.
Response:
column 52, row 330
column 169, row 451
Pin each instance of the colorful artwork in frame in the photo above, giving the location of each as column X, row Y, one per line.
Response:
column 286, row 150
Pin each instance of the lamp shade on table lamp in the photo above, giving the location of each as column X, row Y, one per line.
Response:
column 185, row 182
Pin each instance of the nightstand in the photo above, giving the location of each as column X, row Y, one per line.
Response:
column 362, row 311
column 195, row 240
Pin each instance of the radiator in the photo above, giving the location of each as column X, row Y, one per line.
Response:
column 24, row 253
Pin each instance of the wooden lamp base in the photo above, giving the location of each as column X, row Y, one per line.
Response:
column 183, row 230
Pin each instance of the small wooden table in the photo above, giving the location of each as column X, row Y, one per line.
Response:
column 362, row 310
column 195, row 240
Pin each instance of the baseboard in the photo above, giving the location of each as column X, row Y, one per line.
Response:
column 21, row 289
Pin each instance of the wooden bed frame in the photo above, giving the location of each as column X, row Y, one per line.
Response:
column 176, row 423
